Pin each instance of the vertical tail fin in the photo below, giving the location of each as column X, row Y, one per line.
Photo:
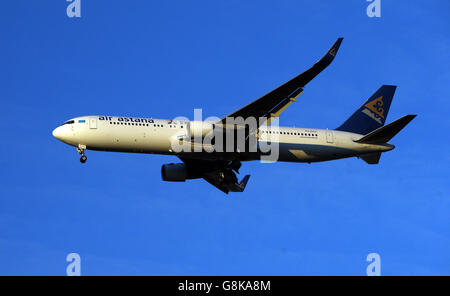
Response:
column 372, row 114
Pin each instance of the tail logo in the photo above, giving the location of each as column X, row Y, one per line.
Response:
column 376, row 106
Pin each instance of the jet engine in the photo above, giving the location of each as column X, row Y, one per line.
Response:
column 174, row 172
column 199, row 128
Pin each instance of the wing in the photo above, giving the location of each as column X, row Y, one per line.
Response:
column 219, row 173
column 273, row 103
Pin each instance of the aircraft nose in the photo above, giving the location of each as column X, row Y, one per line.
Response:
column 57, row 133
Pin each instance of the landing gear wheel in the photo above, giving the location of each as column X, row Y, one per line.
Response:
column 80, row 150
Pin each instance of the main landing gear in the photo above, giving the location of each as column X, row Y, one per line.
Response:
column 80, row 150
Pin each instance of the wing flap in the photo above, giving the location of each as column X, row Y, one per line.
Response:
column 276, row 112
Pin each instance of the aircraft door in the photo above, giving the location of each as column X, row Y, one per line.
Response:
column 93, row 123
column 329, row 136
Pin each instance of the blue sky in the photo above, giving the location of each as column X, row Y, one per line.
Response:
column 162, row 60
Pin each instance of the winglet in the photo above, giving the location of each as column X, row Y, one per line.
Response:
column 324, row 62
column 331, row 53
column 334, row 49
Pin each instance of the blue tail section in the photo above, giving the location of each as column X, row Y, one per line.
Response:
column 372, row 114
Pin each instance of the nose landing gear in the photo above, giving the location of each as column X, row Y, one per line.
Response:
column 80, row 150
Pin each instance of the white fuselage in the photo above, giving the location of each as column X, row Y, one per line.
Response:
column 156, row 136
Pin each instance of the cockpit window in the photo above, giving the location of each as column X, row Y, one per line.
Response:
column 69, row 122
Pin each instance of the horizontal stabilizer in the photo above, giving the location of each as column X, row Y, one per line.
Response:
column 387, row 132
column 372, row 158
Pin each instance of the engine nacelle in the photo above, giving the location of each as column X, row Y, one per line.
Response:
column 174, row 172
column 199, row 128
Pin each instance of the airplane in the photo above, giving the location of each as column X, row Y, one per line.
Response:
column 362, row 135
